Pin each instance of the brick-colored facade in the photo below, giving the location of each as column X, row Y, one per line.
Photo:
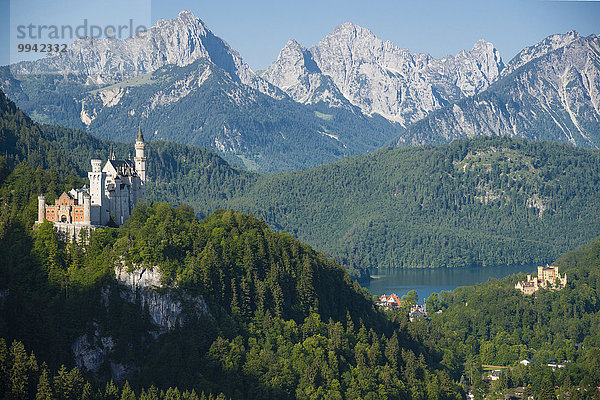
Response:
column 65, row 209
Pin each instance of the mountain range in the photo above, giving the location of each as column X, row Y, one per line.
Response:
column 349, row 94
column 550, row 91
column 185, row 84
column 353, row 65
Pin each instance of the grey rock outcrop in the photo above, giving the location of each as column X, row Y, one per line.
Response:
column 91, row 351
column 555, row 96
column 296, row 73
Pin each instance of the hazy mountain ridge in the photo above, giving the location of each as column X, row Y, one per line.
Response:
column 554, row 96
column 379, row 77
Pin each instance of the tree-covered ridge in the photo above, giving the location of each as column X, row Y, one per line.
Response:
column 486, row 201
column 237, row 262
column 494, row 324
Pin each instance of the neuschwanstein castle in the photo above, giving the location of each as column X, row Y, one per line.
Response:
column 114, row 191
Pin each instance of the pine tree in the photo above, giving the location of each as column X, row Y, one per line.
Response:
column 111, row 392
column 392, row 350
column 547, row 391
column 87, row 393
column 44, row 389
column 306, row 290
column 172, row 394
column 19, row 371
column 127, row 393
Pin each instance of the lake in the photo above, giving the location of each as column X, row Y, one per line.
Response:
column 433, row 280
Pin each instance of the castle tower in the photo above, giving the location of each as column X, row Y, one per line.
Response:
column 140, row 159
column 41, row 209
column 97, row 184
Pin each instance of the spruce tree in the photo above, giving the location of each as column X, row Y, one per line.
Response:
column 44, row 389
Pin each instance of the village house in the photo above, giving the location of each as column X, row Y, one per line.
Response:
column 391, row 301
column 417, row 312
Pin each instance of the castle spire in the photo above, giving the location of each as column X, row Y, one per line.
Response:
column 111, row 155
column 140, row 137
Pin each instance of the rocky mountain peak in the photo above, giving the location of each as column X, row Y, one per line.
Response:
column 379, row 77
column 548, row 45
column 351, row 31
column 483, row 60
column 296, row 72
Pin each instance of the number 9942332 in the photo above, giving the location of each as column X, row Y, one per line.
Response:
column 42, row 48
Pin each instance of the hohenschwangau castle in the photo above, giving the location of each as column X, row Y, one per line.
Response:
column 113, row 192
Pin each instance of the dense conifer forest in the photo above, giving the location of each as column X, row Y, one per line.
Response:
column 283, row 321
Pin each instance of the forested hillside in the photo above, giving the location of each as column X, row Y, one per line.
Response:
column 485, row 201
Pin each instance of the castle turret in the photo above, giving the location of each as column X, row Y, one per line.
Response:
column 140, row 158
column 41, row 209
column 86, row 209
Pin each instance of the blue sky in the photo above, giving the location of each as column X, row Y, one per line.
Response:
column 258, row 29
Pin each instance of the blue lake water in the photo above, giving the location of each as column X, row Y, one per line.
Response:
column 433, row 280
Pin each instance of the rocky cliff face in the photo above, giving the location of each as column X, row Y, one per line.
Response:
column 165, row 306
column 91, row 351
column 379, row 77
column 555, row 96
column 296, row 73
column 180, row 42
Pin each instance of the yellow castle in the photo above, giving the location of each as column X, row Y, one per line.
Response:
column 547, row 278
